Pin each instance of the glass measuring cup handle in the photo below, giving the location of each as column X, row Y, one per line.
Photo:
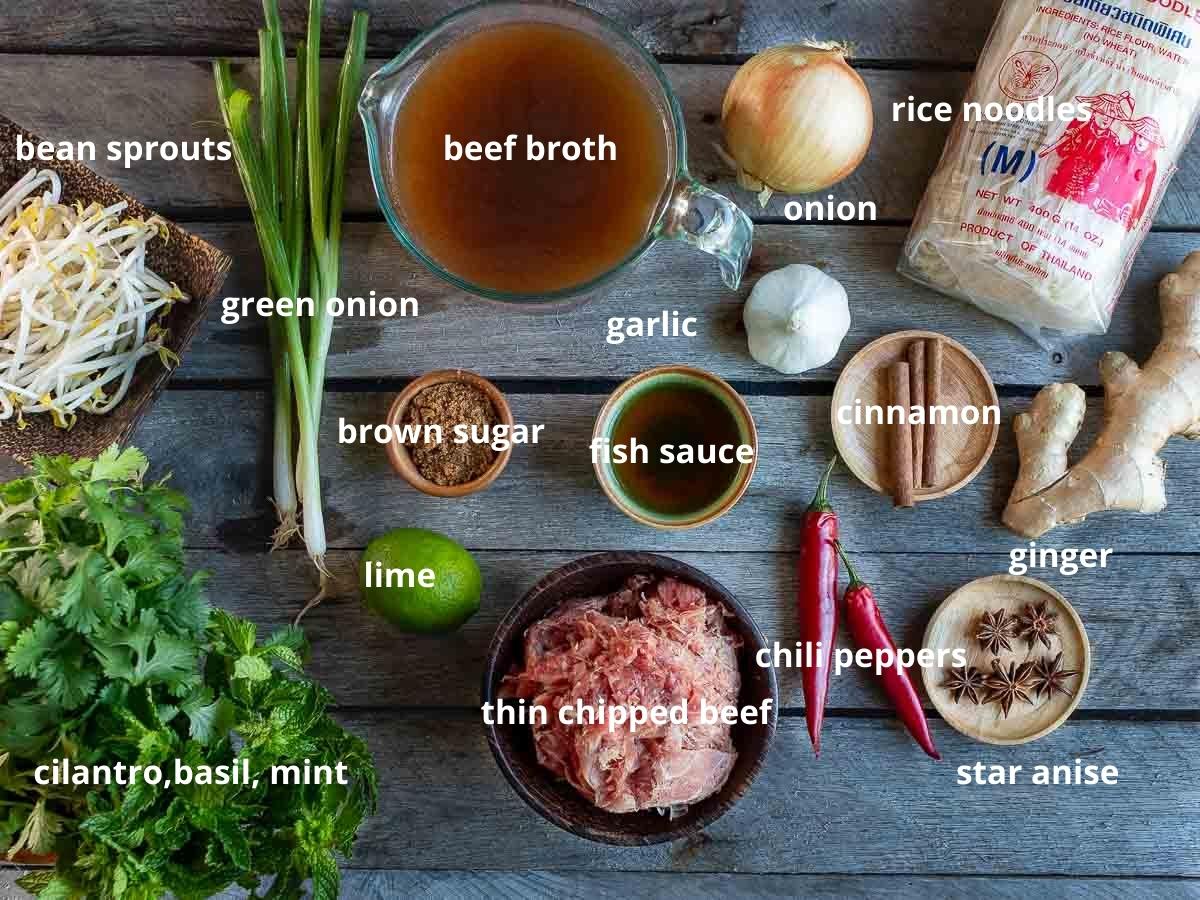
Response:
column 713, row 223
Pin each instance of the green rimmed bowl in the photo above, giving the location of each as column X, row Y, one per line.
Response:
column 629, row 392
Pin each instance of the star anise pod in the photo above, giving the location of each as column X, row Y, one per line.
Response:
column 1049, row 675
column 965, row 681
column 1037, row 624
column 1007, row 686
column 995, row 630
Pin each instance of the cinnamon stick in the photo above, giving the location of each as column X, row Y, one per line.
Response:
column 916, row 377
column 933, row 397
column 902, row 453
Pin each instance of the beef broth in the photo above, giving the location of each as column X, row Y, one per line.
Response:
column 517, row 225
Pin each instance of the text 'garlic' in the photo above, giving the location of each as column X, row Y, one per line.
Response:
column 796, row 318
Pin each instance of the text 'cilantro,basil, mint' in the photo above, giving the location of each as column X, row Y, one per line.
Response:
column 110, row 654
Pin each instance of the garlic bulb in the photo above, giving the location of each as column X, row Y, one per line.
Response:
column 796, row 318
column 796, row 119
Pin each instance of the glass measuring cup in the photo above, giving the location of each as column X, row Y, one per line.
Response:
column 687, row 211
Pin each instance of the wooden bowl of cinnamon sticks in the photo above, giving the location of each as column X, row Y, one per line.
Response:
column 915, row 416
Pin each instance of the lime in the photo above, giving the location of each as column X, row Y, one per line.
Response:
column 419, row 580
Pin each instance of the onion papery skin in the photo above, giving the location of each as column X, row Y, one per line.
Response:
column 796, row 119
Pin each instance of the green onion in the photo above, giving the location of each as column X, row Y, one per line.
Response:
column 327, row 218
column 293, row 169
column 275, row 127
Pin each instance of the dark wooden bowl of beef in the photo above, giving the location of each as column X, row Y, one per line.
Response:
column 553, row 797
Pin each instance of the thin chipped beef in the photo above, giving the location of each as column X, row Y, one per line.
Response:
column 652, row 643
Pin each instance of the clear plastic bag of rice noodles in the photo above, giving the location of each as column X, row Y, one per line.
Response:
column 1037, row 222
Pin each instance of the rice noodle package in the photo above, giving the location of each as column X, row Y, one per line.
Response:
column 1035, row 217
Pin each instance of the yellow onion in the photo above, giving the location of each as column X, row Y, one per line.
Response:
column 797, row 119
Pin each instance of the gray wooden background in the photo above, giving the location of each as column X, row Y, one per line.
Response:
column 872, row 817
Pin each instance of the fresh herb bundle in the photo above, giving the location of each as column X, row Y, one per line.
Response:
column 109, row 654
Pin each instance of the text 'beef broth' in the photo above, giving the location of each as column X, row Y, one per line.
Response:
column 522, row 225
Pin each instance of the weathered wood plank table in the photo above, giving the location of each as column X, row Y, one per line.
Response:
column 873, row 815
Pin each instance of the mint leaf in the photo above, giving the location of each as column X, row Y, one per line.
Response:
column 36, row 881
column 326, row 880
column 285, row 655
column 106, row 826
column 59, row 888
column 120, row 882
column 290, row 636
column 47, row 885
column 287, row 646
column 237, row 631
column 233, row 842
column 155, row 746
column 254, row 668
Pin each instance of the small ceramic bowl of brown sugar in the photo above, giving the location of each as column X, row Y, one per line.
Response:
column 444, row 428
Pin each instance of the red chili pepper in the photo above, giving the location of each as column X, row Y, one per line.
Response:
column 869, row 631
column 817, row 604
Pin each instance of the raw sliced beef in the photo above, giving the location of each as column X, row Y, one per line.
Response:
column 652, row 643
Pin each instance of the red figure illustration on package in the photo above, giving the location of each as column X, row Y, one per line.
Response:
column 1112, row 175
column 1086, row 147
column 1128, row 177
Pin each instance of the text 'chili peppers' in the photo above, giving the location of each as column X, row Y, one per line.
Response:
column 869, row 631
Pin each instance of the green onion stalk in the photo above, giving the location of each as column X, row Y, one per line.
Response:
column 294, row 174
column 280, row 159
column 327, row 217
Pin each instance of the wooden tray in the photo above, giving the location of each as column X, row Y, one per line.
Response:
column 953, row 626
column 195, row 265
column 962, row 449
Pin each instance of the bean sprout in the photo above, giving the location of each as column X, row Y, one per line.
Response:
column 78, row 304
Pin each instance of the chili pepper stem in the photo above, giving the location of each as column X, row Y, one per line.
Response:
column 854, row 579
column 820, row 502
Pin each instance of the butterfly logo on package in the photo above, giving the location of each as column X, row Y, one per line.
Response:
column 1028, row 75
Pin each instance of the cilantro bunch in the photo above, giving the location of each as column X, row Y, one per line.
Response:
column 109, row 653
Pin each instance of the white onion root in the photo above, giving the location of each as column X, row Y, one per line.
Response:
column 78, row 304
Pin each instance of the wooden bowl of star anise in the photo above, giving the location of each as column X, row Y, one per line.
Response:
column 1027, row 659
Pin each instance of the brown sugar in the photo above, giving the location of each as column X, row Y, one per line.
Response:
column 449, row 462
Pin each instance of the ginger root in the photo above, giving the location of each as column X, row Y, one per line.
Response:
column 1143, row 408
